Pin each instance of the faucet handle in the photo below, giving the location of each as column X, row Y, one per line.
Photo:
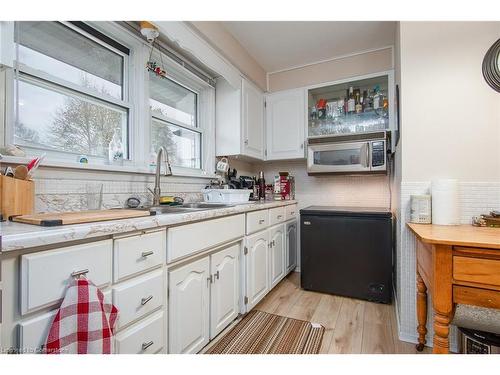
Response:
column 168, row 170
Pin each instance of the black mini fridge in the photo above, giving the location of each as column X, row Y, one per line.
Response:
column 347, row 251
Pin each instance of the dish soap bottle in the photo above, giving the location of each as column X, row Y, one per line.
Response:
column 115, row 149
column 152, row 160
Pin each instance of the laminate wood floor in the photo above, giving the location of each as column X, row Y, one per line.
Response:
column 351, row 325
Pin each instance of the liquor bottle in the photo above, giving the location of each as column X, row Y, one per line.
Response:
column 365, row 101
column 358, row 106
column 376, row 97
column 262, row 186
column 351, row 103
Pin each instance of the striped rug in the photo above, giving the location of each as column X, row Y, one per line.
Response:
column 263, row 333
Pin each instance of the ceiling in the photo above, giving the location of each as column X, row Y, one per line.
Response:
column 278, row 45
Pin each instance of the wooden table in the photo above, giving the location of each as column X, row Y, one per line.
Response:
column 456, row 264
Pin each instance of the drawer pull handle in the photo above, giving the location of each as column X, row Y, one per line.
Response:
column 280, row 216
column 292, row 213
column 146, row 345
column 145, row 254
column 261, row 221
column 146, row 300
column 77, row 274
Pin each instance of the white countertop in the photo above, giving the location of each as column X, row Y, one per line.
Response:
column 17, row 236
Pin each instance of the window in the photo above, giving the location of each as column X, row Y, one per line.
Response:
column 174, row 125
column 70, row 89
column 75, row 85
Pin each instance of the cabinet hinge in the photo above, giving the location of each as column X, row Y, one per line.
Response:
column 246, row 300
column 245, row 250
column 265, row 152
column 265, row 103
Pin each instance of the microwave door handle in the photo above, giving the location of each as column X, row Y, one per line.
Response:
column 365, row 150
column 368, row 154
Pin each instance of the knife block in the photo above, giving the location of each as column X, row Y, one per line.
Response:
column 17, row 197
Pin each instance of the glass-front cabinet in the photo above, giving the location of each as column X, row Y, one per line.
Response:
column 358, row 105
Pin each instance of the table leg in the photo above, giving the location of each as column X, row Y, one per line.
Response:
column 441, row 332
column 421, row 312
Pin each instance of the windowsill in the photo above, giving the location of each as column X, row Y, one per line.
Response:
column 102, row 167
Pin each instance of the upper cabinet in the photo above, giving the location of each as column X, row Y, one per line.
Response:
column 7, row 43
column 285, row 124
column 239, row 120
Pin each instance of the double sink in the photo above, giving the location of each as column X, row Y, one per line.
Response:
column 187, row 207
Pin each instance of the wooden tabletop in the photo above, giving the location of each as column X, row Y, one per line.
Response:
column 458, row 235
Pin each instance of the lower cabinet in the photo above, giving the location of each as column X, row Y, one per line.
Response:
column 224, row 297
column 203, row 299
column 276, row 254
column 256, row 268
column 291, row 245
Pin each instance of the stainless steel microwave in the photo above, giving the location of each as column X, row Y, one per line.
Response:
column 348, row 154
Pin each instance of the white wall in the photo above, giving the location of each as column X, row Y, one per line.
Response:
column 450, row 128
column 451, row 124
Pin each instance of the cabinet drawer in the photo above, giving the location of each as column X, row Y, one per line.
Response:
column 136, row 254
column 139, row 296
column 476, row 297
column 276, row 215
column 45, row 275
column 290, row 212
column 189, row 239
column 145, row 337
column 257, row 220
column 476, row 270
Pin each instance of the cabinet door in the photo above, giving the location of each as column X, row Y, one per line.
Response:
column 188, row 304
column 225, row 292
column 277, row 254
column 285, row 124
column 291, row 246
column 257, row 265
column 252, row 117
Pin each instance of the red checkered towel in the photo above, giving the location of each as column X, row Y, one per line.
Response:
column 84, row 323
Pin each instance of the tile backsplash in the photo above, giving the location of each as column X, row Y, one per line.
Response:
column 67, row 191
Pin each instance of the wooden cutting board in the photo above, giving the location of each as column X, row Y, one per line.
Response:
column 78, row 217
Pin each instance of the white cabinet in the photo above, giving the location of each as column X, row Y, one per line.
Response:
column 256, row 268
column 276, row 254
column 189, row 289
column 7, row 51
column 285, row 124
column 225, row 292
column 203, row 299
column 252, row 119
column 45, row 275
column 239, row 117
column 291, row 245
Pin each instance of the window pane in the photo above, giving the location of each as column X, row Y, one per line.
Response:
column 55, row 121
column 172, row 100
column 183, row 145
column 55, row 49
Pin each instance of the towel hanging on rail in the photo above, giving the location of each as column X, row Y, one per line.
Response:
column 84, row 323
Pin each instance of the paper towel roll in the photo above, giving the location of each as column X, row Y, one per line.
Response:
column 445, row 202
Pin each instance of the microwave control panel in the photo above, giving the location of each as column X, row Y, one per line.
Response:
column 378, row 153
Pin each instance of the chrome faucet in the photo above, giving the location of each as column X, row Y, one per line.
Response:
column 168, row 172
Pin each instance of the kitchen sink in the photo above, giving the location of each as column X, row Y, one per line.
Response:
column 187, row 207
column 206, row 205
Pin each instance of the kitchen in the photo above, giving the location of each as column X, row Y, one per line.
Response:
column 221, row 191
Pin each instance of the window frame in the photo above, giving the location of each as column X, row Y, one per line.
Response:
column 205, row 114
column 167, row 120
column 61, row 86
column 135, row 100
